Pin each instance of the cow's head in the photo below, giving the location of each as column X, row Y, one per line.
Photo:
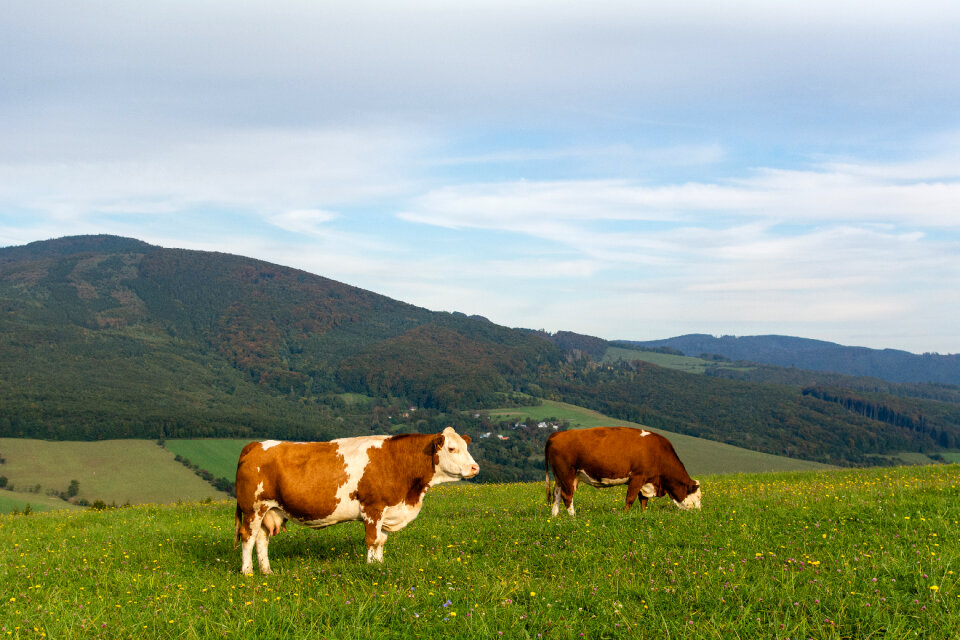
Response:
column 692, row 499
column 453, row 460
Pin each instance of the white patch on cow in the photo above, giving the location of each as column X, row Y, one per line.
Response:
column 263, row 541
column 269, row 444
column 399, row 515
column 454, row 462
column 246, row 554
column 355, row 455
column 648, row 491
column 692, row 501
column 643, row 433
column 375, row 553
column 601, row 482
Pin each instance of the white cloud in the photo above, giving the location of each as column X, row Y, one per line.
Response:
column 831, row 193
column 308, row 221
column 250, row 170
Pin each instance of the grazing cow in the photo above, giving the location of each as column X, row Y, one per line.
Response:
column 611, row 456
column 378, row 479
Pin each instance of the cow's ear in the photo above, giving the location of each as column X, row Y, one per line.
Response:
column 438, row 442
column 466, row 439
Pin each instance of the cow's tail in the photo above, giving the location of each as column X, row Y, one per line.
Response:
column 546, row 469
column 237, row 519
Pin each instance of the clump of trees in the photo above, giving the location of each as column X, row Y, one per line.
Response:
column 220, row 484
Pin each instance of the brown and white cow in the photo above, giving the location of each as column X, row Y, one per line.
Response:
column 380, row 480
column 611, row 456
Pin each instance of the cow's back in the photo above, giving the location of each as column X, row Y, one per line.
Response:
column 610, row 452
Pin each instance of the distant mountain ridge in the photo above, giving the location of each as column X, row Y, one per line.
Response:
column 818, row 355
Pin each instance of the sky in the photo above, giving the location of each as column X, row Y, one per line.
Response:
column 629, row 170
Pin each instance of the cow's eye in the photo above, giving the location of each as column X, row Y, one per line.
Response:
column 451, row 449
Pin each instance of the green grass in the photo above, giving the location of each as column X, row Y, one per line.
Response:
column 687, row 364
column 681, row 363
column 699, row 456
column 120, row 471
column 840, row 554
column 911, row 457
column 16, row 500
column 216, row 455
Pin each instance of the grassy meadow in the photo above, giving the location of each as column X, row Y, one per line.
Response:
column 217, row 455
column 871, row 553
column 689, row 364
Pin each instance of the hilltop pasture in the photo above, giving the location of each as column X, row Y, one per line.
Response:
column 835, row 554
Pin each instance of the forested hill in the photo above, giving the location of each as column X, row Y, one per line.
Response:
column 111, row 337
column 817, row 355
column 105, row 337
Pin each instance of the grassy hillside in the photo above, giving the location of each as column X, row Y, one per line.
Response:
column 687, row 364
column 699, row 456
column 217, row 455
column 18, row 501
column 840, row 554
column 115, row 471
column 778, row 419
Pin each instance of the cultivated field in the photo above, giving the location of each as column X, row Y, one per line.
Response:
column 840, row 554
column 120, row 471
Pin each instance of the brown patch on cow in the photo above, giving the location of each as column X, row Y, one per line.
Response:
column 303, row 478
column 399, row 471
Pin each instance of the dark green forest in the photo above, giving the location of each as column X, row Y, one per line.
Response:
column 104, row 337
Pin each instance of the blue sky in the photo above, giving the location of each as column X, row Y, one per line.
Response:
column 630, row 170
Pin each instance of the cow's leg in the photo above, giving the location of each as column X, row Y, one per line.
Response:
column 633, row 490
column 556, row 500
column 263, row 541
column 249, row 532
column 375, row 538
column 567, row 489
